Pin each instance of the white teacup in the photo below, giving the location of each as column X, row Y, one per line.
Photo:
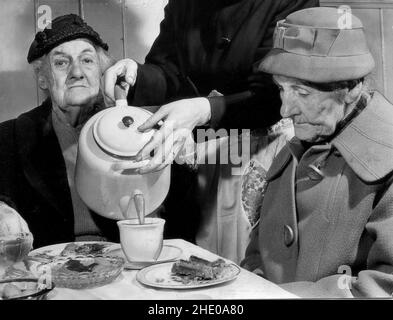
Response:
column 141, row 242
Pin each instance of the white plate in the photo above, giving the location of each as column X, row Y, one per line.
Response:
column 159, row 276
column 55, row 249
column 168, row 253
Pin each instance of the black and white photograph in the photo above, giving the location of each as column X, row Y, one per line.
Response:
column 213, row 151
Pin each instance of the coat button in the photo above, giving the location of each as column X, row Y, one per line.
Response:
column 289, row 236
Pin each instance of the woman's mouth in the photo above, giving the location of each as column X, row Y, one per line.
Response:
column 77, row 86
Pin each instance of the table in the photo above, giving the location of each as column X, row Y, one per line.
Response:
column 246, row 286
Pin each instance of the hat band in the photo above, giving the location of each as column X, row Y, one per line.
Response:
column 316, row 41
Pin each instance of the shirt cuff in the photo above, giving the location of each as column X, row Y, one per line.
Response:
column 218, row 107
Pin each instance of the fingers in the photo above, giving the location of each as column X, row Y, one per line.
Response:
column 161, row 114
column 165, row 154
column 169, row 157
column 110, row 78
column 163, row 136
column 131, row 73
column 125, row 67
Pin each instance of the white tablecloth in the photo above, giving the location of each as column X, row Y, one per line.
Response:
column 246, row 286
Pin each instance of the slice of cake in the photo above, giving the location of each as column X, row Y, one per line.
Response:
column 196, row 268
column 215, row 263
column 193, row 269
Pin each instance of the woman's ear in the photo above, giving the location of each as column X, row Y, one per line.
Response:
column 353, row 94
column 43, row 82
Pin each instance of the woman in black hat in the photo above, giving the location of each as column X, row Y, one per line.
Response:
column 38, row 148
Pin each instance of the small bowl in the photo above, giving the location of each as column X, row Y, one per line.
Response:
column 89, row 279
column 40, row 294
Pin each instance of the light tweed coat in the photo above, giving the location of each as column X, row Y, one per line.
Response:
column 312, row 229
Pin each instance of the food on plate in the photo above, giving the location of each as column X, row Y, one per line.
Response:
column 198, row 269
column 95, row 248
column 42, row 257
column 86, row 272
column 77, row 265
column 71, row 250
column 192, row 269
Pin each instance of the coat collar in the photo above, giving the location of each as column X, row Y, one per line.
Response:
column 366, row 143
column 41, row 158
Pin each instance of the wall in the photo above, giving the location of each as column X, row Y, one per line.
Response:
column 130, row 27
column 377, row 18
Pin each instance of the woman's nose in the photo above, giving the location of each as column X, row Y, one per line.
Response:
column 288, row 106
column 76, row 71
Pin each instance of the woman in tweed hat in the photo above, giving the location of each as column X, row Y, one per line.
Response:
column 326, row 221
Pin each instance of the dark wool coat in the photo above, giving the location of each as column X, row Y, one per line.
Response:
column 312, row 229
column 207, row 45
column 33, row 178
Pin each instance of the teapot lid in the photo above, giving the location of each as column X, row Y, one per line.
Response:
column 116, row 131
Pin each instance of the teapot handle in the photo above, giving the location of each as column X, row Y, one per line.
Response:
column 121, row 89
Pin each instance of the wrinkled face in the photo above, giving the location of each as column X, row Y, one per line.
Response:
column 315, row 113
column 73, row 74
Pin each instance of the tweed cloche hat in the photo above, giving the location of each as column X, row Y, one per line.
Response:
column 315, row 45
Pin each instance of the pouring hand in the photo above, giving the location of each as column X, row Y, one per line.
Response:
column 168, row 147
column 179, row 118
column 127, row 68
column 186, row 113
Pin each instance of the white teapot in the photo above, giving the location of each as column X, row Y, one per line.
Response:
column 105, row 174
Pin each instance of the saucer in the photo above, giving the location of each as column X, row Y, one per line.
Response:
column 169, row 253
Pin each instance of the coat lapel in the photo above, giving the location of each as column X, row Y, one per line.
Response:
column 279, row 164
column 278, row 221
column 41, row 158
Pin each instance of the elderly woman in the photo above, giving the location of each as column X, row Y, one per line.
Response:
column 38, row 149
column 328, row 207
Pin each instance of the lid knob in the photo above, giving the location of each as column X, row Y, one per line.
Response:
column 127, row 121
column 116, row 130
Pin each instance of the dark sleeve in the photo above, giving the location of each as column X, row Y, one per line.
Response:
column 8, row 162
column 158, row 78
column 261, row 100
column 252, row 258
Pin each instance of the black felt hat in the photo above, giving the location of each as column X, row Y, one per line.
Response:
column 64, row 28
